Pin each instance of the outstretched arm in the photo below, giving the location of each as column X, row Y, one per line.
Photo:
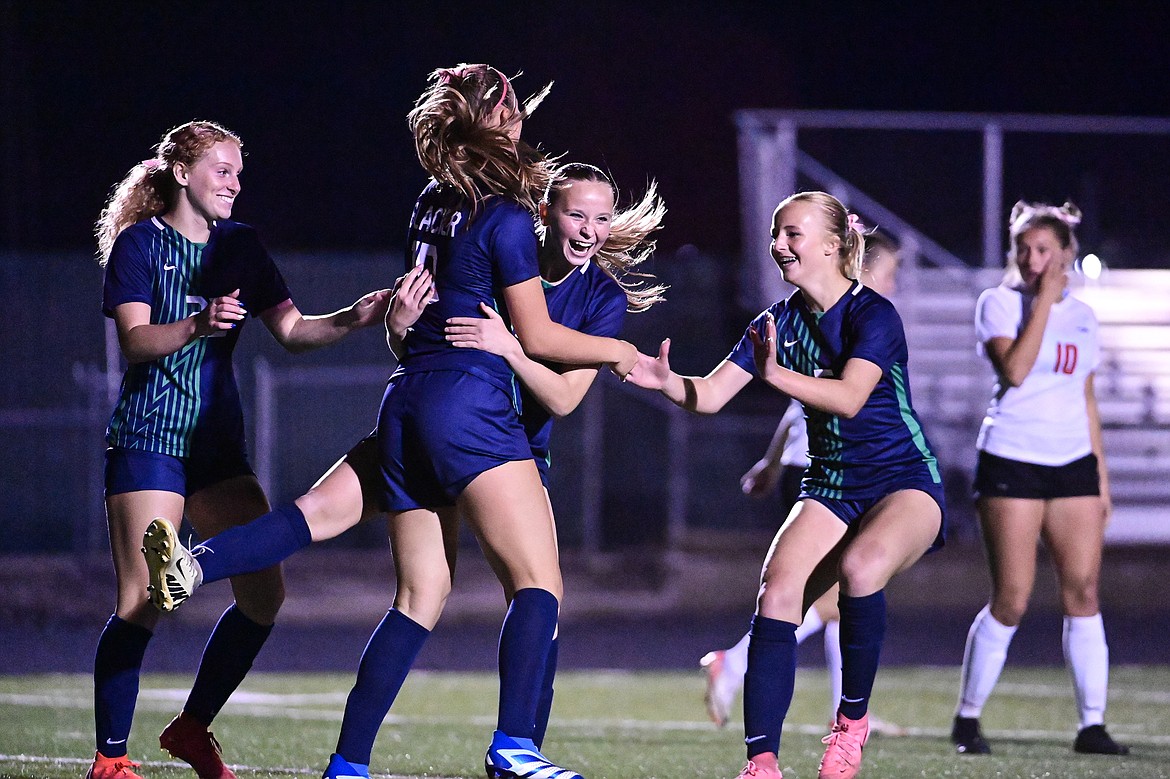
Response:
column 559, row 393
column 842, row 396
column 545, row 339
column 299, row 333
column 702, row 395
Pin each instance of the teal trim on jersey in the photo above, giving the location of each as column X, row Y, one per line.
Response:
column 810, row 351
column 898, row 374
column 837, row 477
column 159, row 405
column 514, row 384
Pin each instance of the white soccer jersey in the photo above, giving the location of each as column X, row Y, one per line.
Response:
column 1044, row 420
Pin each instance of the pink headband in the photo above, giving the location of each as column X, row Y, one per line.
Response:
column 503, row 89
column 854, row 223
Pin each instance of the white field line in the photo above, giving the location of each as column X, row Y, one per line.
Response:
column 1054, row 692
column 275, row 706
column 76, row 761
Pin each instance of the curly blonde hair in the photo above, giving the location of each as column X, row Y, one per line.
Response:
column 839, row 222
column 629, row 243
column 460, row 140
column 1026, row 216
column 149, row 188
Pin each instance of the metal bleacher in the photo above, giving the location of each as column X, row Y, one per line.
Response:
column 951, row 384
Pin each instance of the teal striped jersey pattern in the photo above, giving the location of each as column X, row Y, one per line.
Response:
column 884, row 445
column 189, row 398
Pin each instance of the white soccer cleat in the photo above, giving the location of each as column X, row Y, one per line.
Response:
column 174, row 571
column 722, row 686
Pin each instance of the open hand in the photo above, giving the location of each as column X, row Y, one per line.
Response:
column 371, row 307
column 651, row 372
column 764, row 345
column 489, row 334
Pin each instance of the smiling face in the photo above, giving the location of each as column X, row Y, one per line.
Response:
column 801, row 245
column 1035, row 249
column 578, row 220
column 212, row 183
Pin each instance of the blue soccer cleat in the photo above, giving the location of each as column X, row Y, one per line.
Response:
column 518, row 758
column 340, row 768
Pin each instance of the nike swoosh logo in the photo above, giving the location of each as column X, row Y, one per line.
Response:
column 168, row 267
column 789, row 344
column 852, row 700
column 754, row 738
column 112, row 743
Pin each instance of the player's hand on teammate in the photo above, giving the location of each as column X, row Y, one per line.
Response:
column 489, row 334
column 623, row 367
column 761, row 478
column 220, row 314
column 411, row 294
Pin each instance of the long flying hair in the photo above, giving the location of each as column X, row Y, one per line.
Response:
column 460, row 139
column 629, row 243
column 149, row 188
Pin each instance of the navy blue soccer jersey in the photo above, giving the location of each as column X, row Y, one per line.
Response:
column 471, row 260
column 188, row 399
column 589, row 301
column 868, row 455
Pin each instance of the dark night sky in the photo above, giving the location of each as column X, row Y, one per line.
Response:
column 319, row 93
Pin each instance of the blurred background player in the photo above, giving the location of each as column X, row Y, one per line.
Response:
column 783, row 466
column 1041, row 472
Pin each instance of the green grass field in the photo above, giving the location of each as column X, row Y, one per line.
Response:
column 607, row 725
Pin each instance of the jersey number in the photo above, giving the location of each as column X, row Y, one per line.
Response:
column 427, row 255
column 1066, row 358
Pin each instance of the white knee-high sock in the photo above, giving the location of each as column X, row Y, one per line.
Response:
column 735, row 659
column 1087, row 656
column 833, row 664
column 811, row 623
column 983, row 658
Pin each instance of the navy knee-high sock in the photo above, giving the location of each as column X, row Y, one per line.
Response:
column 227, row 658
column 768, row 683
column 863, row 628
column 385, row 663
column 254, row 546
column 525, row 639
column 116, row 668
column 544, row 705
